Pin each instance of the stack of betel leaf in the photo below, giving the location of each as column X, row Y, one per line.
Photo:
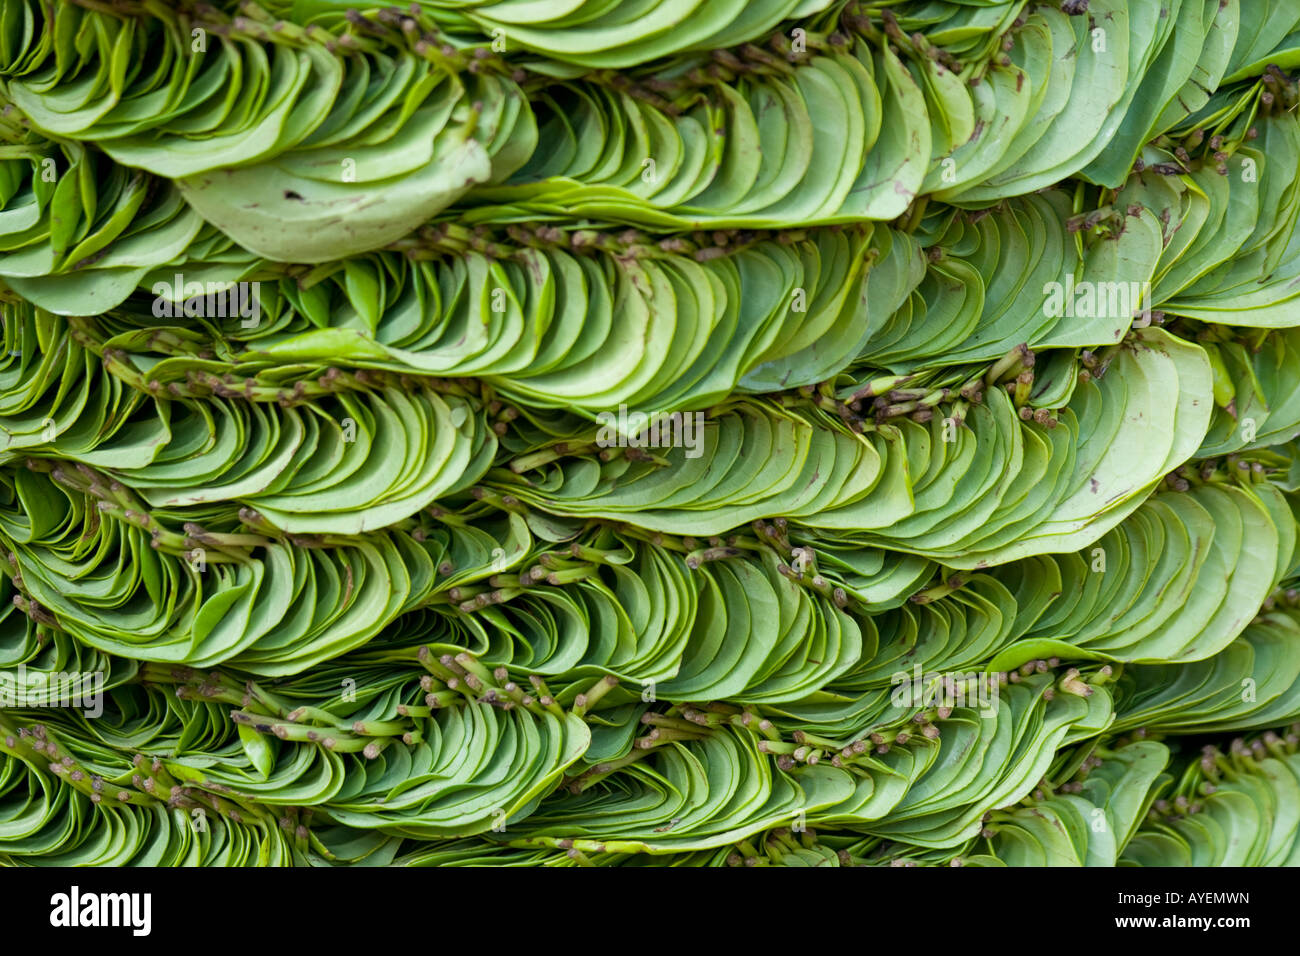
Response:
column 659, row 432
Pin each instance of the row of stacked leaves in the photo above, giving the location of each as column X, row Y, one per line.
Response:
column 364, row 578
